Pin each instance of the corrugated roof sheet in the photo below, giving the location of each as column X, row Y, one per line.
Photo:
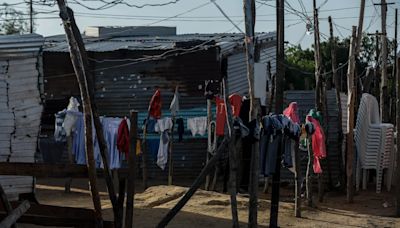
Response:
column 226, row 41
column 20, row 45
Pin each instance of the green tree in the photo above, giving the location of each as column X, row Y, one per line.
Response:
column 12, row 21
column 300, row 62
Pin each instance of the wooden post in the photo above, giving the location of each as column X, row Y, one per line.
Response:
column 6, row 203
column 144, row 149
column 309, row 184
column 318, row 83
column 397, row 123
column 196, row 184
column 232, row 156
column 132, row 164
column 350, row 121
column 279, row 92
column 384, row 78
column 171, row 142
column 12, row 217
column 209, row 117
column 71, row 161
column 360, row 27
column 297, row 179
column 77, row 62
column 338, row 101
column 250, row 14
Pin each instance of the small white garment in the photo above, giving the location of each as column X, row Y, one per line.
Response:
column 163, row 126
column 197, row 125
column 71, row 116
column 174, row 107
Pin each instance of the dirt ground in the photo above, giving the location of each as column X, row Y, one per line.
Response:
column 212, row 209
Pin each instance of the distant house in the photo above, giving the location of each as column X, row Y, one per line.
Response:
column 130, row 62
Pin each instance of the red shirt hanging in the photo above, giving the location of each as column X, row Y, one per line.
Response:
column 123, row 137
column 155, row 105
column 318, row 144
column 236, row 103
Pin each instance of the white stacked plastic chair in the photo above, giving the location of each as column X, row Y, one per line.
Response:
column 374, row 143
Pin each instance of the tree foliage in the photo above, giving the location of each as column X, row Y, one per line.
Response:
column 300, row 63
column 12, row 21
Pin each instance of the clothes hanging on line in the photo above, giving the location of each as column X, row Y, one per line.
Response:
column 110, row 132
column 123, row 137
column 197, row 125
column 174, row 106
column 318, row 144
column 152, row 146
column 163, row 126
column 151, row 123
column 278, row 130
column 155, row 105
column 236, row 103
column 181, row 128
column 71, row 116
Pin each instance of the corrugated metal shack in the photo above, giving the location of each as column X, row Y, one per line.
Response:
column 20, row 105
column 128, row 68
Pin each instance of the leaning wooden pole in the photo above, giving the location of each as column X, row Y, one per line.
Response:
column 196, row 184
column 15, row 214
column 132, row 167
column 77, row 62
column 350, row 121
column 6, row 203
column 232, row 156
column 96, row 118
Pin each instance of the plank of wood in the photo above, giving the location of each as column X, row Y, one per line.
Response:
column 47, row 215
column 49, row 170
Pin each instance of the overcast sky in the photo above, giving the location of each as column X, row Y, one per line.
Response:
column 204, row 17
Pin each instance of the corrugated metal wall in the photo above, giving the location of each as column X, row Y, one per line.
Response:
column 237, row 69
column 20, row 105
column 122, row 88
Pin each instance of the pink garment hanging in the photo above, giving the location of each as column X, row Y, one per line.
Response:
column 291, row 112
column 318, row 144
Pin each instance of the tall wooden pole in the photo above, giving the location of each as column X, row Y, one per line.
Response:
column 80, row 72
column 279, row 91
column 360, row 27
column 337, row 90
column 132, row 167
column 171, row 142
column 384, row 78
column 250, row 14
column 350, row 120
column 318, row 83
column 395, row 67
column 209, row 117
column 397, row 60
column 317, row 59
